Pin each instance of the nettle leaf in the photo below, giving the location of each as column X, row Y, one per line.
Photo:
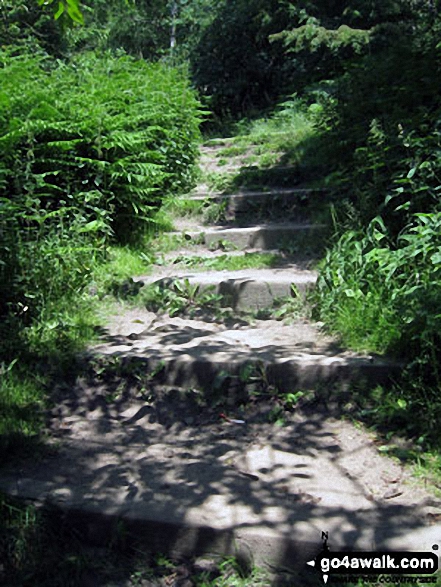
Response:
column 436, row 258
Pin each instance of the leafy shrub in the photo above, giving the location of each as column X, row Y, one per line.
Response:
column 88, row 150
column 25, row 23
column 384, row 126
column 386, row 296
column 116, row 133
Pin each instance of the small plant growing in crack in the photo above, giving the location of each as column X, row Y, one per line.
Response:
column 154, row 371
column 215, row 213
column 222, row 245
column 291, row 307
column 182, row 297
column 277, row 416
column 291, row 400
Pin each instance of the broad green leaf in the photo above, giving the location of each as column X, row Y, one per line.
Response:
column 60, row 10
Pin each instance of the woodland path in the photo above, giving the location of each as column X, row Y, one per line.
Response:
column 191, row 430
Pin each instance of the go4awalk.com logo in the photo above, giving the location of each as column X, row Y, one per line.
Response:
column 373, row 563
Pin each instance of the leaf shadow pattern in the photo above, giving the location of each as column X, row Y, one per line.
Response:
column 159, row 459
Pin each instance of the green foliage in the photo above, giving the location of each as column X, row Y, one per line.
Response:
column 289, row 308
column 392, row 287
column 323, row 38
column 192, row 18
column 383, row 123
column 24, row 23
column 182, row 297
column 21, row 402
column 144, row 28
column 121, row 265
column 329, row 47
column 141, row 29
column 88, row 151
column 234, row 63
column 71, row 8
column 384, row 295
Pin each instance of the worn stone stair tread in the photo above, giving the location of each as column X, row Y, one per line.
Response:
column 216, row 488
column 274, row 226
column 202, row 251
column 242, row 193
column 288, row 274
column 194, row 351
column 242, row 289
column 188, row 225
column 273, row 335
column 203, row 256
column 265, row 236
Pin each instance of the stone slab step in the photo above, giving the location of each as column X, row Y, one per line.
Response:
column 215, row 356
column 200, row 251
column 242, row 290
column 276, row 176
column 262, row 493
column 300, row 193
column 283, row 203
column 264, row 236
column 198, row 257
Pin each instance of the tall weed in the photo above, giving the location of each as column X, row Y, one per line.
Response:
column 393, row 286
column 384, row 295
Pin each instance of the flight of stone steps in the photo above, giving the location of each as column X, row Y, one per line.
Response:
column 221, row 431
column 275, row 220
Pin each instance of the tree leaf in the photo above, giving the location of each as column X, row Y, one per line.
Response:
column 60, row 10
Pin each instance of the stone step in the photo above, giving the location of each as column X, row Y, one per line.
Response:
column 297, row 203
column 257, row 491
column 200, row 252
column 199, row 258
column 278, row 176
column 300, row 193
column 242, row 290
column 302, row 236
column 229, row 358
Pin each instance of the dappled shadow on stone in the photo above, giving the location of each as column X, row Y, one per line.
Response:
column 186, row 352
column 185, row 480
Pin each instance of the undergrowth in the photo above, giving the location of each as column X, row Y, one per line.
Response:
column 283, row 131
column 180, row 297
column 89, row 149
column 383, row 295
